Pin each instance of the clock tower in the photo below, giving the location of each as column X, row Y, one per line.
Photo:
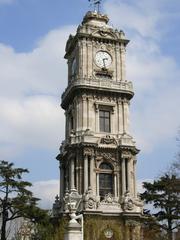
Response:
column 98, row 157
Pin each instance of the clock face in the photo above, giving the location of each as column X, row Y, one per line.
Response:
column 74, row 64
column 103, row 59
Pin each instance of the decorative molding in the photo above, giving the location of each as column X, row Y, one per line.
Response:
column 105, row 103
column 108, row 140
column 88, row 151
column 131, row 204
column 126, row 154
column 109, row 199
column 90, row 200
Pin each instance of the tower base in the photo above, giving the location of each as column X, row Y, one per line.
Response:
column 98, row 227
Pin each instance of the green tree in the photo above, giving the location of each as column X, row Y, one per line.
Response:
column 16, row 200
column 164, row 195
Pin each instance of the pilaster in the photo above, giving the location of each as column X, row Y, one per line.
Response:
column 123, row 59
column 85, row 173
column 84, row 112
column 126, row 115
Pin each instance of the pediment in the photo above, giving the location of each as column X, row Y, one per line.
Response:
column 104, row 33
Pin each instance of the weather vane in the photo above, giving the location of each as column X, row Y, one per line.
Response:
column 96, row 4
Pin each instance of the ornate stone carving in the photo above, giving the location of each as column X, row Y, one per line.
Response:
column 66, row 198
column 127, row 203
column 108, row 233
column 72, row 200
column 88, row 151
column 108, row 156
column 108, row 140
column 126, row 154
column 109, row 199
column 110, row 203
column 131, row 204
column 105, row 155
column 132, row 223
column 90, row 201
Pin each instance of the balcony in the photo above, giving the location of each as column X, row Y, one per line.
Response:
column 99, row 84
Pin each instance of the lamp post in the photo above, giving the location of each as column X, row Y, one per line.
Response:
column 75, row 231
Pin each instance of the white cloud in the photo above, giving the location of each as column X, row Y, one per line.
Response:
column 41, row 71
column 31, row 83
column 135, row 16
column 30, row 88
column 46, row 190
column 155, row 115
column 32, row 121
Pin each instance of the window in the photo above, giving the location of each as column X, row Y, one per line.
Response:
column 104, row 121
column 105, row 180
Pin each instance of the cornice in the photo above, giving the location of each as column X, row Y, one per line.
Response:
column 98, row 85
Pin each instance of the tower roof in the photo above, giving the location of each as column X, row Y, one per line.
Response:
column 95, row 18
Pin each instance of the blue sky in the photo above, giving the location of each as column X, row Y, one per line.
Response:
column 33, row 75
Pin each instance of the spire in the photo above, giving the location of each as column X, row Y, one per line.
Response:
column 96, row 4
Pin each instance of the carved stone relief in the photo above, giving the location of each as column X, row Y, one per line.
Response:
column 88, row 151
column 90, row 200
column 130, row 203
column 109, row 199
column 126, row 154
column 108, row 140
column 106, row 156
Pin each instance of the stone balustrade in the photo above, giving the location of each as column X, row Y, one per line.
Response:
column 104, row 84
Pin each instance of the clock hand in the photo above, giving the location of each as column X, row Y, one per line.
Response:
column 104, row 59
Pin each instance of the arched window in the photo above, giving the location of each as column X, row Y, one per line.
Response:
column 105, row 179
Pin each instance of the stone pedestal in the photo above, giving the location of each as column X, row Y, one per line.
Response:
column 73, row 231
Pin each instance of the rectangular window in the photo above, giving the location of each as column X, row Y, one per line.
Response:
column 104, row 121
column 105, row 184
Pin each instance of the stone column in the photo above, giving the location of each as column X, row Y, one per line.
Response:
column 89, row 59
column 61, row 182
column 85, row 173
column 112, row 123
column 126, row 116
column 84, row 58
column 80, row 115
column 97, row 118
column 80, row 177
column 84, row 112
column 118, row 63
column 123, row 173
column 92, row 174
column 120, row 117
column 128, row 175
column 77, row 173
column 97, row 183
column 66, row 125
column 134, row 184
column 123, row 58
column 90, row 114
column 77, row 114
column 115, row 185
column 118, row 185
column 72, row 174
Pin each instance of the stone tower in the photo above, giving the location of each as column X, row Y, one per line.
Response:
column 98, row 157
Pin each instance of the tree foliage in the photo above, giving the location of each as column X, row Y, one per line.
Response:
column 16, row 200
column 164, row 195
